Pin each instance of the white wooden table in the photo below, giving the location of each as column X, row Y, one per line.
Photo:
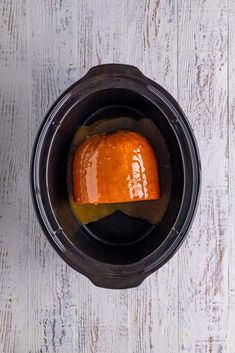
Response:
column 188, row 46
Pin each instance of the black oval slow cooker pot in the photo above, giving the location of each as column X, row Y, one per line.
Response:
column 117, row 90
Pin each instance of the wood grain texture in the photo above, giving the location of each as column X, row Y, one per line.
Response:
column 153, row 307
column 202, row 92
column 52, row 54
column 189, row 304
column 231, row 181
column 14, row 194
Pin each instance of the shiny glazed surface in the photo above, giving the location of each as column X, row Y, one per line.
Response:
column 116, row 167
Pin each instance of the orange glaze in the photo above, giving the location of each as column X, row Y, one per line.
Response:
column 115, row 167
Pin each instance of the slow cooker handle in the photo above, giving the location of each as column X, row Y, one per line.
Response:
column 117, row 282
column 114, row 69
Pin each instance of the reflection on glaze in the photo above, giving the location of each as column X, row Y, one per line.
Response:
column 138, row 185
column 115, row 167
column 152, row 210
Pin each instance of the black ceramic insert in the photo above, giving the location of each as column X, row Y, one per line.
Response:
column 118, row 251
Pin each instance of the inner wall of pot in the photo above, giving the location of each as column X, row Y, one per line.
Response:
column 146, row 237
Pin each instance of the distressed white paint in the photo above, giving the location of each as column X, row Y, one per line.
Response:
column 203, row 261
column 189, row 304
column 231, row 180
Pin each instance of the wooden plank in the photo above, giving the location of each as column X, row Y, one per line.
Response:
column 14, row 195
column 231, row 136
column 153, row 307
column 53, row 286
column 104, row 313
column 202, row 92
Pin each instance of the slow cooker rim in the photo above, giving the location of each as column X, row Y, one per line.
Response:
column 174, row 246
